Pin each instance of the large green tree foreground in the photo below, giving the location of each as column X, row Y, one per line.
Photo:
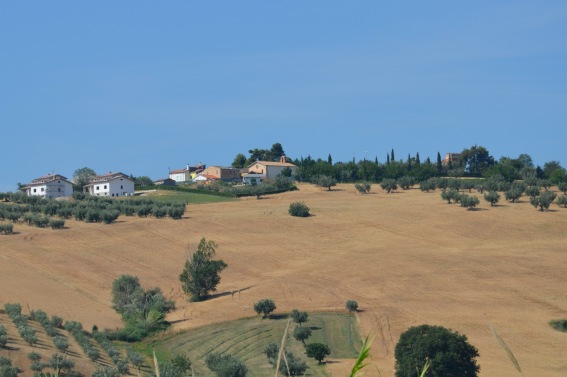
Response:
column 200, row 276
column 449, row 353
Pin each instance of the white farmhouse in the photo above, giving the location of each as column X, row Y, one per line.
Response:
column 49, row 186
column 111, row 184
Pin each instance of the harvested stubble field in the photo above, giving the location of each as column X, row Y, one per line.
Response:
column 408, row 258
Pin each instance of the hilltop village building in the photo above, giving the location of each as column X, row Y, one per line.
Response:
column 49, row 186
column 186, row 174
column 262, row 170
column 110, row 185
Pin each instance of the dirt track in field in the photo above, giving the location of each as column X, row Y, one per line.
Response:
column 408, row 258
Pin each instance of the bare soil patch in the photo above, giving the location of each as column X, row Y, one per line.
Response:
column 407, row 258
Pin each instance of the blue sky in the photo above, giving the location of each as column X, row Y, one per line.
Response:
column 140, row 86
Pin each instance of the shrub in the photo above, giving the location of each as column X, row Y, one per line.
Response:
column 298, row 209
column 7, row 228
column 532, row 191
column 562, row 201
column 3, row 336
column 61, row 343
column 406, row 182
column 559, row 324
column 389, row 185
column 225, row 365
column 265, row 307
column 6, row 368
column 56, row 223
column 159, row 212
column 363, row 187
column 428, row 185
column 448, row 352
column 108, row 217
column 293, row 367
column 325, row 181
column 176, row 212
column 351, row 305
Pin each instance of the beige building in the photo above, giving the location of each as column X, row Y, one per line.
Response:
column 223, row 173
column 271, row 169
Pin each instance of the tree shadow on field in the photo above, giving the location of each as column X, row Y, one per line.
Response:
column 229, row 293
column 315, row 328
column 330, row 362
column 278, row 317
column 178, row 321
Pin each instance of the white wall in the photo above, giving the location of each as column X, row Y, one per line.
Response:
column 113, row 188
column 179, row 177
column 53, row 189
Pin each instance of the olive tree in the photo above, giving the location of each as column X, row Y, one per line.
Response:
column 389, row 185
column 351, row 305
column 301, row 334
column 299, row 317
column 325, row 181
column 449, row 353
column 492, row 197
column 544, row 200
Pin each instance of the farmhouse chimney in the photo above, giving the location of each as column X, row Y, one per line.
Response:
column 282, row 158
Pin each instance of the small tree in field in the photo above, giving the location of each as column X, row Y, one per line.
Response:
column 352, row 306
column 513, row 195
column 363, row 187
column 299, row 317
column 492, row 197
column 544, row 200
column 298, row 209
column 265, row 307
column 562, row 186
column 325, row 181
column 301, row 334
column 317, row 351
column 389, row 185
column 450, row 194
column 469, row 202
column 200, row 276
column 449, row 353
column 562, row 201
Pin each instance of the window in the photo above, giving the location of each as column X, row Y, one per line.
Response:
column 105, row 187
column 34, row 190
column 121, row 187
column 42, row 189
column 59, row 189
column 97, row 187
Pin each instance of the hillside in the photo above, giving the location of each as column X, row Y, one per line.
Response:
column 408, row 258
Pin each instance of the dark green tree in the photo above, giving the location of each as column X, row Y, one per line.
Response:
column 475, row 160
column 468, row 202
column 317, row 351
column 142, row 180
column 239, row 161
column 200, row 276
column 265, row 307
column 448, row 352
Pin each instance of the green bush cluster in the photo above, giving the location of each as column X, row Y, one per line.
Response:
column 298, row 209
column 225, row 365
column 363, row 187
column 113, row 352
column 6, row 368
column 39, row 212
column 7, row 228
column 3, row 336
column 20, row 320
column 76, row 330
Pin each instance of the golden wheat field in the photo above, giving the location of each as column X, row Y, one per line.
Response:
column 408, row 258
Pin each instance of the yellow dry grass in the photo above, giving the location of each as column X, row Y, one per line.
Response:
column 408, row 258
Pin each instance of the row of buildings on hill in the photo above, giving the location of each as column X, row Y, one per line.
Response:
column 120, row 184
